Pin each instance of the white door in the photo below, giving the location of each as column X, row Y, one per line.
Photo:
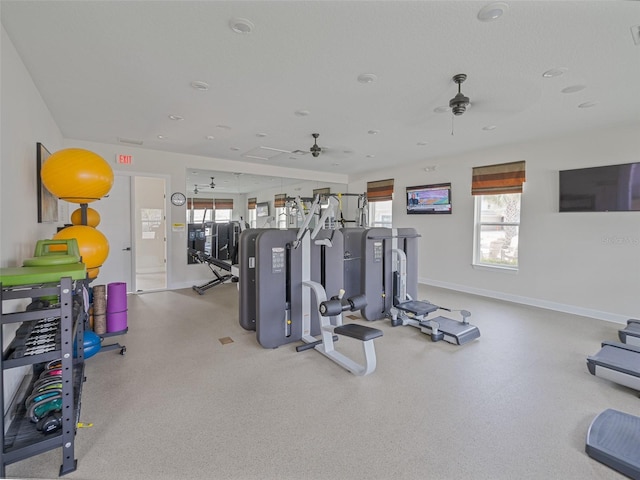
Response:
column 115, row 224
column 150, row 234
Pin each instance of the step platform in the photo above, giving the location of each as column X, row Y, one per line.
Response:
column 631, row 334
column 617, row 362
column 613, row 439
column 454, row 332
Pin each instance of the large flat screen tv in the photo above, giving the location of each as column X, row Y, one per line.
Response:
column 429, row 199
column 612, row 188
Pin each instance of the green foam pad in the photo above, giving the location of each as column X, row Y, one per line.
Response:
column 50, row 260
column 16, row 276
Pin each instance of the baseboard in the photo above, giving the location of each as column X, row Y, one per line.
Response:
column 534, row 302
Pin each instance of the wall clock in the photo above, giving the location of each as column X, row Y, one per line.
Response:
column 178, row 199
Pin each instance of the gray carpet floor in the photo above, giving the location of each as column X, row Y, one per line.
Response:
column 184, row 402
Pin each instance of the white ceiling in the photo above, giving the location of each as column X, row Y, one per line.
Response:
column 112, row 70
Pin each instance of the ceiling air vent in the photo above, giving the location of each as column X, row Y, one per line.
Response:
column 129, row 141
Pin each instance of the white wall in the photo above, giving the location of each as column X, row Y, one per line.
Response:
column 25, row 121
column 584, row 263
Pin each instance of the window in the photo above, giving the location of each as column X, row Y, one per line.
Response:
column 251, row 207
column 380, row 198
column 252, row 218
column 380, row 214
column 281, row 217
column 497, row 219
column 222, row 215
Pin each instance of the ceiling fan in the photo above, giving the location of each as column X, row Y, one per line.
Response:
column 211, row 185
column 315, row 148
column 460, row 102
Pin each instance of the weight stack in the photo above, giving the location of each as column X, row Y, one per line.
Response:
column 99, row 310
column 116, row 307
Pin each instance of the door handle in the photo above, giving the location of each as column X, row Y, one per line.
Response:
column 128, row 249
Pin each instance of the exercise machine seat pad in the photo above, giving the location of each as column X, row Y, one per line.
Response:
column 613, row 439
column 359, row 332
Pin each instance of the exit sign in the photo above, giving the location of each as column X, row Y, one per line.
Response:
column 124, row 159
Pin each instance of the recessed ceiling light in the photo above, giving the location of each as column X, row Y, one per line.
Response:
column 442, row 109
column 210, row 137
column 224, row 127
column 421, row 144
column 489, row 127
column 373, row 132
column 241, row 25
column 261, row 134
column 198, row 85
column 177, row 118
column 573, row 89
column 162, row 137
column 370, row 156
column 587, row 104
column 301, row 113
column 555, row 72
column 235, row 149
column 367, row 78
column 431, row 168
column 493, row 11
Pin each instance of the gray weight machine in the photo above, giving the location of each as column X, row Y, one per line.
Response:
column 284, row 279
column 389, row 279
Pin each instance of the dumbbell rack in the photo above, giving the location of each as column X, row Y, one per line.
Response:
column 22, row 439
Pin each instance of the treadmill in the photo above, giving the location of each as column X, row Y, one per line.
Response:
column 618, row 362
column 613, row 438
column 631, row 334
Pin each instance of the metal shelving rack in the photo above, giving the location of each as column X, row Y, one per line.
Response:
column 22, row 439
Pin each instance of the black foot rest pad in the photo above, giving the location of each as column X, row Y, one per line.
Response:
column 360, row 332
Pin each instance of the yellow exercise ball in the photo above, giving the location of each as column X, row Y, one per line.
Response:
column 92, row 273
column 93, row 245
column 93, row 217
column 77, row 175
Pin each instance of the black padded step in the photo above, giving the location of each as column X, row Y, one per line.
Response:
column 359, row 332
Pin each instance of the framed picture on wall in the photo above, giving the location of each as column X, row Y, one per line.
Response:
column 47, row 202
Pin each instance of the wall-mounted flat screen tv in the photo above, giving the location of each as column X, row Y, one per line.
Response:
column 262, row 209
column 429, row 199
column 612, row 188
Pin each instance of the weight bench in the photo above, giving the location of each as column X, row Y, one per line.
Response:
column 210, row 261
column 331, row 325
